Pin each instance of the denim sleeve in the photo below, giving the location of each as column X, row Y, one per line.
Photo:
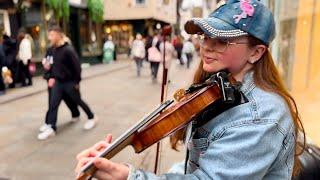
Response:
column 243, row 151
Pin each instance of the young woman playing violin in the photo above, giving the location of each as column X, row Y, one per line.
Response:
column 254, row 140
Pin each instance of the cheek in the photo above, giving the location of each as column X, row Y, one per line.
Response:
column 235, row 60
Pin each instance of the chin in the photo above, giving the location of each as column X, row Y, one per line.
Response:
column 210, row 69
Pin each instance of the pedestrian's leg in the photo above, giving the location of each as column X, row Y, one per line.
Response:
column 49, row 98
column 22, row 73
column 56, row 97
column 28, row 75
column 179, row 53
column 71, row 105
column 74, row 94
column 138, row 65
column 156, row 68
column 188, row 60
column 152, row 69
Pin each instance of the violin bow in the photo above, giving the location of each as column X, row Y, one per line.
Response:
column 165, row 32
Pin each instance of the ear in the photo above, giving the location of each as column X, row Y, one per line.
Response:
column 256, row 53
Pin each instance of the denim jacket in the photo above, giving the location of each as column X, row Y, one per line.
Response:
column 254, row 140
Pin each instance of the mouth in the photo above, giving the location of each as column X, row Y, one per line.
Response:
column 208, row 60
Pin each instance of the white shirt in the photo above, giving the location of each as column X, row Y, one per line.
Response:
column 138, row 49
column 188, row 47
column 25, row 51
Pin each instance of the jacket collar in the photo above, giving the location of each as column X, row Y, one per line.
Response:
column 248, row 83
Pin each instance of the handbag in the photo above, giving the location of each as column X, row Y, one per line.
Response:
column 32, row 68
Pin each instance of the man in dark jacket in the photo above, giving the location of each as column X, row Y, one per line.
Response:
column 10, row 51
column 66, row 76
column 47, row 64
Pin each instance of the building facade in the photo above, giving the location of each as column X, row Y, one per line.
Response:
column 34, row 17
column 297, row 44
column 124, row 19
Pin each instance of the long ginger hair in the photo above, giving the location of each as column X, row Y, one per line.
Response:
column 267, row 77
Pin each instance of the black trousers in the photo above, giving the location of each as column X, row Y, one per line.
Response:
column 25, row 74
column 57, row 92
column 69, row 102
column 189, row 59
column 154, row 69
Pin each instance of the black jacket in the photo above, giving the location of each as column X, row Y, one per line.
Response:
column 66, row 66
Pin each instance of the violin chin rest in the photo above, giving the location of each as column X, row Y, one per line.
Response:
column 179, row 94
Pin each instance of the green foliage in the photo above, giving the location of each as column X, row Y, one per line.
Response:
column 96, row 10
column 60, row 8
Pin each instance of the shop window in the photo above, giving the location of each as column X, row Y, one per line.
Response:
column 89, row 36
column 121, row 34
column 33, row 24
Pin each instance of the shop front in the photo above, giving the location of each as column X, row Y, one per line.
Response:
column 33, row 23
column 123, row 32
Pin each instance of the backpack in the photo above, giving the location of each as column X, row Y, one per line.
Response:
column 154, row 55
column 310, row 162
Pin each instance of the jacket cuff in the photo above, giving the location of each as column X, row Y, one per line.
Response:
column 132, row 170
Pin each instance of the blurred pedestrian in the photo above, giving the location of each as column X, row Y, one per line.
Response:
column 178, row 45
column 169, row 52
column 10, row 51
column 154, row 57
column 66, row 77
column 24, row 58
column 2, row 64
column 108, row 50
column 47, row 63
column 148, row 44
column 188, row 50
column 138, row 52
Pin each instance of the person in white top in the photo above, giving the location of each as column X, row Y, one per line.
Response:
column 25, row 55
column 169, row 53
column 188, row 50
column 138, row 52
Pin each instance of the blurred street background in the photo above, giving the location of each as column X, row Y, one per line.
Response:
column 102, row 32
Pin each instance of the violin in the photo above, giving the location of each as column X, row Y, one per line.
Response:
column 169, row 117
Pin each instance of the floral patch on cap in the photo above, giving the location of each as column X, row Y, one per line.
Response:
column 247, row 10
